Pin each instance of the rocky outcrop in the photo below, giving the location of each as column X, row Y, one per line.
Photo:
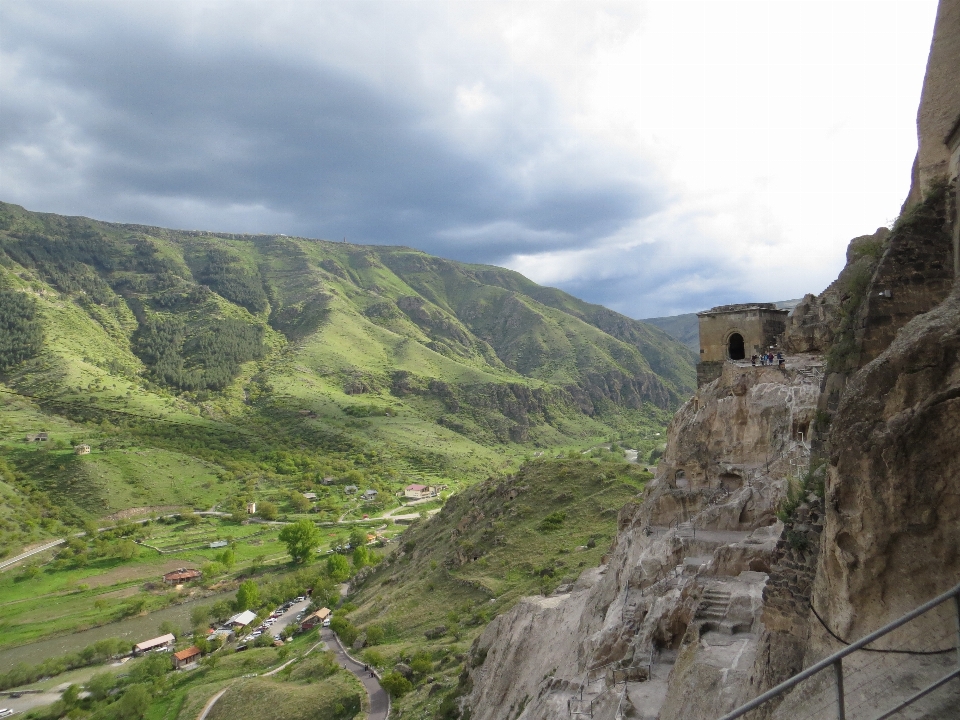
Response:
column 939, row 109
column 893, row 492
column 813, row 324
column 748, row 424
column 914, row 275
column 669, row 626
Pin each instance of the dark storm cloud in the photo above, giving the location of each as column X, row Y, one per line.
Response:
column 163, row 122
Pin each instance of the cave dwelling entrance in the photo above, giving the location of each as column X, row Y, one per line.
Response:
column 735, row 347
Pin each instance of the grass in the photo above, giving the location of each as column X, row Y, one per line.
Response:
column 487, row 548
column 59, row 600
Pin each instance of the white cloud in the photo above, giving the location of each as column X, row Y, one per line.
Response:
column 655, row 156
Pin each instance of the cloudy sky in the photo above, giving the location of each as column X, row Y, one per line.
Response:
column 656, row 157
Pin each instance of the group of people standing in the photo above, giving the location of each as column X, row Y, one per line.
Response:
column 768, row 359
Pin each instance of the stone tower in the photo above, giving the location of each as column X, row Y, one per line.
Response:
column 735, row 332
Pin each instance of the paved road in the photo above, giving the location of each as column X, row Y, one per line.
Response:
column 379, row 702
column 24, row 556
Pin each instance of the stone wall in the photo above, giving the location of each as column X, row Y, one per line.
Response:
column 760, row 324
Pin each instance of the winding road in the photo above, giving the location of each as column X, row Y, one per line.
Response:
column 379, row 700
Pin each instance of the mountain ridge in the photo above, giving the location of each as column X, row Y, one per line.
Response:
column 377, row 360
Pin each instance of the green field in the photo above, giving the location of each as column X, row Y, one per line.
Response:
column 206, row 372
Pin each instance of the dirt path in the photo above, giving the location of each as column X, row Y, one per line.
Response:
column 210, row 703
column 379, row 700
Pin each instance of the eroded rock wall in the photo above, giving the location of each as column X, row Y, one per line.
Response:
column 893, row 490
column 669, row 626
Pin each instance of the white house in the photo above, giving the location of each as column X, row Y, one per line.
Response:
column 418, row 492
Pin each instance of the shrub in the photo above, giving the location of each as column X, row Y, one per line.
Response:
column 375, row 635
column 553, row 521
column 396, row 684
column 344, row 629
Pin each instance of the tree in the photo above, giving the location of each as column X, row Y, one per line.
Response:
column 267, row 510
column 374, row 657
column 237, row 509
column 71, row 696
column 358, row 537
column 198, row 616
column 248, row 595
column 193, row 519
column 220, row 609
column 422, row 663
column 299, row 502
column 227, row 558
column 126, row 550
column 375, row 635
column 338, row 568
column 167, row 628
column 360, row 556
column 100, row 685
column 301, row 539
column 134, row 703
column 396, row 684
column 21, row 332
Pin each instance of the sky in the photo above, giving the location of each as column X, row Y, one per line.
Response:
column 654, row 157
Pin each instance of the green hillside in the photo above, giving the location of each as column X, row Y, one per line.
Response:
column 524, row 534
column 204, row 369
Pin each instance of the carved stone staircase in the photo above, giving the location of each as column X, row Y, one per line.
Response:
column 713, row 607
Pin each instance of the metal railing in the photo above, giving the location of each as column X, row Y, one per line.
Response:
column 835, row 662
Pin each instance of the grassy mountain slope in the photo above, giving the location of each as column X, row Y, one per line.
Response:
column 500, row 540
column 203, row 368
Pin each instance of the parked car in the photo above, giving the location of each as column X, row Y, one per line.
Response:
column 5, row 712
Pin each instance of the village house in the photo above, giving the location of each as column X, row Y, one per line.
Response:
column 218, row 544
column 38, row 437
column 350, row 489
column 181, row 575
column 369, row 494
column 164, row 642
column 251, row 508
column 242, row 619
column 418, row 492
column 327, row 481
column 314, row 619
column 187, row 657
column 310, row 496
column 81, row 449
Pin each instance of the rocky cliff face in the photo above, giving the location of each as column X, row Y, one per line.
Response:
column 939, row 108
column 733, row 574
column 669, row 626
column 893, row 488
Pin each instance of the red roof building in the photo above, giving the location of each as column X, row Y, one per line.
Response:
column 186, row 657
column 181, row 575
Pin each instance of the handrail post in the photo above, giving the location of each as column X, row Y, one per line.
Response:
column 838, row 671
column 956, row 600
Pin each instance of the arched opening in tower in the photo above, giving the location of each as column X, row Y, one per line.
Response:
column 735, row 347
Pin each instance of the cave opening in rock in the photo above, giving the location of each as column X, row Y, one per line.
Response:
column 735, row 347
